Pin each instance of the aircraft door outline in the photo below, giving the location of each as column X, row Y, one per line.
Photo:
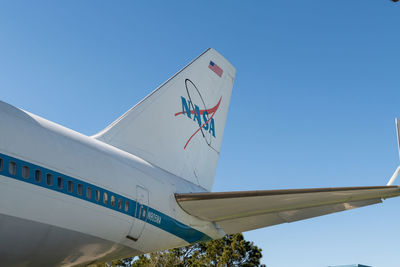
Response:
column 140, row 215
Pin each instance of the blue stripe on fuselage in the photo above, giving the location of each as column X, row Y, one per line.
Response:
column 153, row 217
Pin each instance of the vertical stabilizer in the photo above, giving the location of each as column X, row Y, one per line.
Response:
column 179, row 126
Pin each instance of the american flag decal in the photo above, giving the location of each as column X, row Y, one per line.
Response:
column 215, row 68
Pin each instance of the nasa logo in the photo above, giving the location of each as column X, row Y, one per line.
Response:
column 197, row 115
column 203, row 117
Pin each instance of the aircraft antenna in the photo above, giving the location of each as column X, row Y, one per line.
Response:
column 396, row 172
column 396, row 120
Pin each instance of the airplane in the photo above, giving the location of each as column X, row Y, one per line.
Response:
column 142, row 184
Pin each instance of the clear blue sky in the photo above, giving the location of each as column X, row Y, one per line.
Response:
column 313, row 105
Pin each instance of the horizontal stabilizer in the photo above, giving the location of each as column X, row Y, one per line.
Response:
column 242, row 211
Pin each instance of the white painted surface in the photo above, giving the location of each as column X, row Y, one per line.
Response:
column 144, row 148
column 151, row 130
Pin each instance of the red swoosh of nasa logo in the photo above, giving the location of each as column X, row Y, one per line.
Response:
column 212, row 111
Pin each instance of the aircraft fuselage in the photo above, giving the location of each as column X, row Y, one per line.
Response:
column 64, row 193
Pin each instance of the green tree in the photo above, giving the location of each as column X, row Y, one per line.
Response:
column 232, row 250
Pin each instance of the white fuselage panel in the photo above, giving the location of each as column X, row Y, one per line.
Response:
column 98, row 228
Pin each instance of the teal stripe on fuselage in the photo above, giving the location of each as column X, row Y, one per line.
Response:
column 153, row 217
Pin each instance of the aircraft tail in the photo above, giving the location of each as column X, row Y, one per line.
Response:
column 179, row 126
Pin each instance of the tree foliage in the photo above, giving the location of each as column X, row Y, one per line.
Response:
column 232, row 250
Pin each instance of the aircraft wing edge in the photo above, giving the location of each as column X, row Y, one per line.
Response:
column 219, row 195
column 264, row 220
column 247, row 210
